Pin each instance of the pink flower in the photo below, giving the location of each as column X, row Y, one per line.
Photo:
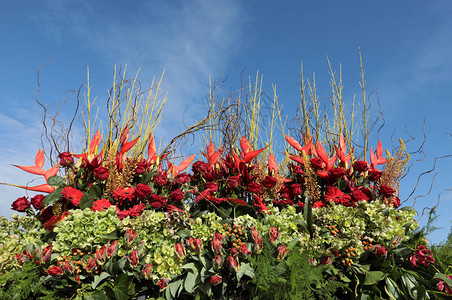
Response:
column 422, row 255
column 273, row 234
column 215, row 280
column 71, row 194
column 444, row 286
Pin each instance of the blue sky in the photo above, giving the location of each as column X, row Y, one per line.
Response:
column 406, row 48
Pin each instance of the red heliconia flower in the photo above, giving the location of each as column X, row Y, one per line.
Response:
column 101, row 254
column 36, row 201
column 175, row 170
column 180, row 250
column 66, row 159
column 296, row 145
column 55, row 271
column 260, row 204
column 146, row 273
column 273, row 234
column 112, row 249
column 163, row 283
column 21, row 204
column 215, row 280
column 72, row 194
column 340, row 152
column 100, row 205
column 329, row 162
column 232, row 263
column 152, row 150
column 422, row 255
column 247, row 154
column 133, row 258
column 216, row 243
column 272, row 165
column 212, row 155
column 379, row 159
column 380, row 250
column 282, row 251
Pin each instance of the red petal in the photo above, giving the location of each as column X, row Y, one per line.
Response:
column 252, row 154
column 322, row 153
column 127, row 146
column 245, row 145
column 44, row 188
column 31, row 169
column 293, row 142
column 39, row 159
column 186, row 162
column 272, row 163
column 51, row 172
column 151, row 147
column 298, row 159
column 95, row 142
column 373, row 159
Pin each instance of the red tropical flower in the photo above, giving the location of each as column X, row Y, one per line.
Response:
column 422, row 255
column 130, row 236
column 72, row 195
column 157, row 201
column 55, row 271
column 180, row 250
column 260, row 204
column 273, row 234
column 177, row 195
column 282, row 251
column 100, row 205
column 444, row 286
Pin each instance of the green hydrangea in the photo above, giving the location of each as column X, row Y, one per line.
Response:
column 84, row 229
column 205, row 226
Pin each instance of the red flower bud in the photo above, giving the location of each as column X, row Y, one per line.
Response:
column 112, row 249
column 133, row 258
column 217, row 262
column 66, row 159
column 163, row 283
column 146, row 273
column 380, row 250
column 282, row 251
column 273, row 234
column 55, row 271
column 233, row 265
column 130, row 236
column 215, row 280
column 216, row 243
column 180, row 250
column 36, row 201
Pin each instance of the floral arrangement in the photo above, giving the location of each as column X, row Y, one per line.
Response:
column 112, row 223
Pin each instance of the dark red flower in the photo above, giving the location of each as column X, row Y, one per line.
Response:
column 336, row 195
column 90, row 264
column 273, row 234
column 46, row 214
column 130, row 236
column 182, row 178
column 260, row 204
column 133, row 258
column 215, row 280
column 244, row 250
column 297, row 169
column 296, row 189
column 316, row 163
column 159, row 180
column 66, row 159
column 374, row 174
column 55, row 271
column 200, row 167
column 141, row 166
column 71, row 194
column 422, row 255
column 232, row 263
column 36, row 201
column 21, row 204
column 233, row 182
column 380, row 250
column 23, row 257
column 386, row 191
column 336, row 173
column 112, row 249
column 163, row 283
column 100, row 205
column 361, row 166
column 180, row 250
column 136, row 210
column 143, row 190
column 124, row 194
column 318, row 204
column 269, row 182
column 217, row 262
column 101, row 173
column 359, row 195
column 157, row 201
column 147, row 271
column 177, row 195
column 396, row 202
column 216, row 243
column 46, row 253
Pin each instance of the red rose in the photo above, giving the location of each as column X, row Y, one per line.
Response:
column 143, row 190
column 177, row 195
column 141, row 167
column 396, row 202
column 359, row 195
column 215, row 280
column 336, row 173
column 182, row 178
column 386, row 191
column 297, row 169
column 361, row 166
column 296, row 189
column 254, row 188
column 21, row 204
column 66, row 159
column 200, row 167
column 101, row 173
column 316, row 163
column 269, row 182
column 55, row 271
column 36, row 201
column 286, row 193
column 159, row 180
column 374, row 174
column 157, row 201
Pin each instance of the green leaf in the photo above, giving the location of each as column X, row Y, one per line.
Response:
column 85, row 202
column 98, row 295
column 111, row 236
column 307, row 214
column 56, row 181
column 120, row 287
column 146, row 177
column 410, row 284
column 52, row 197
column 174, row 286
column 184, row 233
column 392, row 289
column 292, row 244
column 408, row 208
column 245, row 269
column 190, row 266
column 190, row 282
column 444, row 278
column 372, row 277
column 98, row 279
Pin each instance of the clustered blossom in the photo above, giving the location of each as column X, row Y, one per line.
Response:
column 422, row 255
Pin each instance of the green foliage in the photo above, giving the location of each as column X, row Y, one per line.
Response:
column 292, row 278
